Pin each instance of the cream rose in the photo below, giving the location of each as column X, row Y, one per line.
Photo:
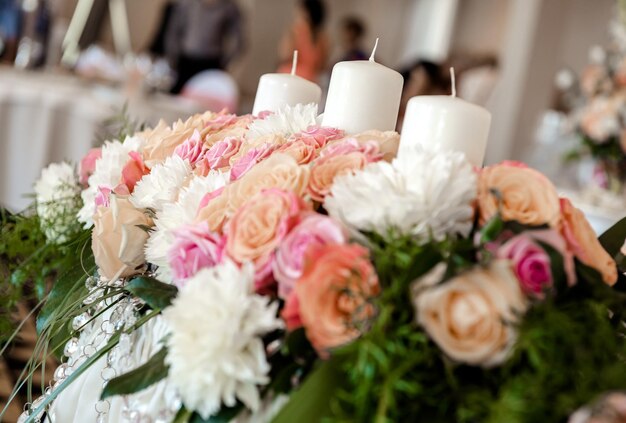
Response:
column 118, row 238
column 472, row 317
column 278, row 171
column 524, row 195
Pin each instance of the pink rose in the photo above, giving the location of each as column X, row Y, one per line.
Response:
column 319, row 134
column 195, row 247
column 369, row 148
column 133, row 171
column 252, row 157
column 314, row 230
column 218, row 156
column 264, row 113
column 530, row 262
column 102, row 196
column 192, row 149
column 88, row 165
column 220, row 121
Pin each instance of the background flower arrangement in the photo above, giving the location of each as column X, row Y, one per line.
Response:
column 598, row 101
column 269, row 269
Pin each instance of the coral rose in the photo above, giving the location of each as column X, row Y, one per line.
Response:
column 582, row 241
column 471, row 317
column 133, row 171
column 334, row 295
column 522, row 194
column 278, row 171
column 313, row 231
column 118, row 238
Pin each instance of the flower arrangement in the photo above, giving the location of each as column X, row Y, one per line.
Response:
column 598, row 102
column 269, row 269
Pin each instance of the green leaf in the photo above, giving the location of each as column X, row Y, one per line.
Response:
column 156, row 294
column 311, row 401
column 492, row 229
column 183, row 415
column 225, row 415
column 613, row 239
column 142, row 377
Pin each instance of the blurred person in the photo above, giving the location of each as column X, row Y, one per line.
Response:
column 202, row 35
column 157, row 46
column 351, row 36
column 10, row 23
column 308, row 37
column 477, row 81
column 422, row 78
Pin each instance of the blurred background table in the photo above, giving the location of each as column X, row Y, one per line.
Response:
column 46, row 118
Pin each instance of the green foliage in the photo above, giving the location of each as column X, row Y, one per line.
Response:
column 570, row 348
column 28, row 264
column 156, row 294
column 142, row 377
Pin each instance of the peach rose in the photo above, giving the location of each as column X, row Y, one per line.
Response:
column 302, row 150
column 334, row 295
column 388, row 142
column 278, row 171
column 213, row 209
column 261, row 223
column 163, row 140
column 582, row 241
column 118, row 238
column 523, row 195
column 471, row 317
column 326, row 169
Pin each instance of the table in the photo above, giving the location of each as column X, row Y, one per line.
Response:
column 47, row 118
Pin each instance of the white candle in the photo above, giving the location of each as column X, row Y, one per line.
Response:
column 450, row 122
column 363, row 95
column 279, row 89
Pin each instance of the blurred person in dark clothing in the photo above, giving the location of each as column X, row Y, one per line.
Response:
column 201, row 35
column 10, row 22
column 352, row 31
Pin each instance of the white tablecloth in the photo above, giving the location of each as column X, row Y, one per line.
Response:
column 48, row 118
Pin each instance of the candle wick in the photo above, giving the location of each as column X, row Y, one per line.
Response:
column 294, row 64
column 374, row 50
column 453, row 82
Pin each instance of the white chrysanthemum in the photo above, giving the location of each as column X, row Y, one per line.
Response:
column 56, row 193
column 107, row 173
column 215, row 351
column 182, row 212
column 286, row 121
column 162, row 184
column 424, row 193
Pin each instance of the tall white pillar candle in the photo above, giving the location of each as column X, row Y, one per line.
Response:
column 448, row 122
column 279, row 89
column 363, row 95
